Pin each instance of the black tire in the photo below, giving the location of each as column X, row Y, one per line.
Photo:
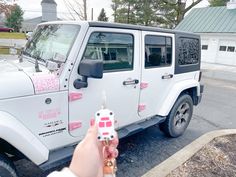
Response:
column 179, row 117
column 7, row 168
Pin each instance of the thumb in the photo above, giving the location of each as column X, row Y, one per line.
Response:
column 92, row 131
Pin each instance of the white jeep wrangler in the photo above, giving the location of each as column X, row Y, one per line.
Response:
column 48, row 96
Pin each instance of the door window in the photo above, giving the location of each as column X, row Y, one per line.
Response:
column 158, row 51
column 115, row 49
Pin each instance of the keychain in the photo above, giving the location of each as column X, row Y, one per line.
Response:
column 109, row 168
column 106, row 132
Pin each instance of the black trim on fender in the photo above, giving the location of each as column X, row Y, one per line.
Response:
column 201, row 88
column 199, row 98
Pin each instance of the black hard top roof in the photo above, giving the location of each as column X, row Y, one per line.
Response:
column 136, row 27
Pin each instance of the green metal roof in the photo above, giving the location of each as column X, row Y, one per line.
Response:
column 209, row 20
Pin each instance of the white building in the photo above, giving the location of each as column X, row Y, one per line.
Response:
column 217, row 28
column 49, row 13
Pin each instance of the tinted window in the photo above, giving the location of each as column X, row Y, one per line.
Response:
column 158, row 51
column 188, row 51
column 230, row 49
column 116, row 50
column 222, row 48
column 204, row 47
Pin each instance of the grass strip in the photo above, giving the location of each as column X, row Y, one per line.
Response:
column 7, row 35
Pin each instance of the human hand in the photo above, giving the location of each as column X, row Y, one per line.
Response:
column 89, row 155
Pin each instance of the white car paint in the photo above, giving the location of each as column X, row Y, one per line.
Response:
column 175, row 92
column 157, row 90
column 117, row 99
column 15, row 133
column 47, row 112
column 14, row 83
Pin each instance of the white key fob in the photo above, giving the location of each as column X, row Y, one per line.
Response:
column 105, row 121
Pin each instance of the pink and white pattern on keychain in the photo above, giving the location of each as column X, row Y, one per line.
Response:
column 143, row 85
column 44, row 83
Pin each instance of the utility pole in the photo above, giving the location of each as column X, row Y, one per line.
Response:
column 85, row 10
column 92, row 14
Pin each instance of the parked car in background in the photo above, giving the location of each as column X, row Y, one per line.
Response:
column 6, row 29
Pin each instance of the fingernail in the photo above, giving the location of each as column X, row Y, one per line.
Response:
column 92, row 122
column 116, row 153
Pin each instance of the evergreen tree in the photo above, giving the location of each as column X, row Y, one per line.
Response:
column 214, row 3
column 124, row 11
column 164, row 13
column 14, row 20
column 102, row 16
column 145, row 12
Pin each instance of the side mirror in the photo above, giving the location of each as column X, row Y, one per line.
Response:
column 91, row 68
column 88, row 68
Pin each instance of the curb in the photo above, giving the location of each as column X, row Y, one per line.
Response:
column 174, row 161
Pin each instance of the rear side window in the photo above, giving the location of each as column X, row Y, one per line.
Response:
column 115, row 49
column 158, row 51
column 188, row 51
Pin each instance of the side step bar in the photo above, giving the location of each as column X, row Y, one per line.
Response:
column 58, row 157
column 137, row 127
column 64, row 155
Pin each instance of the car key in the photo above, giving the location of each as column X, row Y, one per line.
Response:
column 104, row 119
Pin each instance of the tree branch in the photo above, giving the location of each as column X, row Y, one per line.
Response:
column 169, row 3
column 192, row 5
column 69, row 10
column 76, row 8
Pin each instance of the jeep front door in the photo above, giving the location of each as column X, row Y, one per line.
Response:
column 119, row 51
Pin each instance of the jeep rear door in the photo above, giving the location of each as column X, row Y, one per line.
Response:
column 157, row 71
column 120, row 51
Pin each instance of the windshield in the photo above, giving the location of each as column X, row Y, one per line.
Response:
column 51, row 42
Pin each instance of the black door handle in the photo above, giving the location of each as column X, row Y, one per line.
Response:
column 131, row 82
column 167, row 76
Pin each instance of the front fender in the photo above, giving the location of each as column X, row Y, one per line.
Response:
column 15, row 133
column 174, row 94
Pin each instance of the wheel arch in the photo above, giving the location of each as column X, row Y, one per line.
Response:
column 190, row 87
column 20, row 140
column 7, row 148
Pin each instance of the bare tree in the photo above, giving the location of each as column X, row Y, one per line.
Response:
column 180, row 7
column 6, row 8
column 77, row 9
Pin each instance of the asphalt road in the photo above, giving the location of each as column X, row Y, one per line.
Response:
column 142, row 151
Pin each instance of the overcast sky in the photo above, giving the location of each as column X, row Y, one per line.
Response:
column 32, row 8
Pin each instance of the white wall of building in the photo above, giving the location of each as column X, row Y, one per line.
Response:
column 213, row 54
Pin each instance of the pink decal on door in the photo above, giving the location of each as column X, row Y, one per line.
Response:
column 75, row 96
column 44, row 83
column 141, row 107
column 143, row 85
column 49, row 114
column 75, row 125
